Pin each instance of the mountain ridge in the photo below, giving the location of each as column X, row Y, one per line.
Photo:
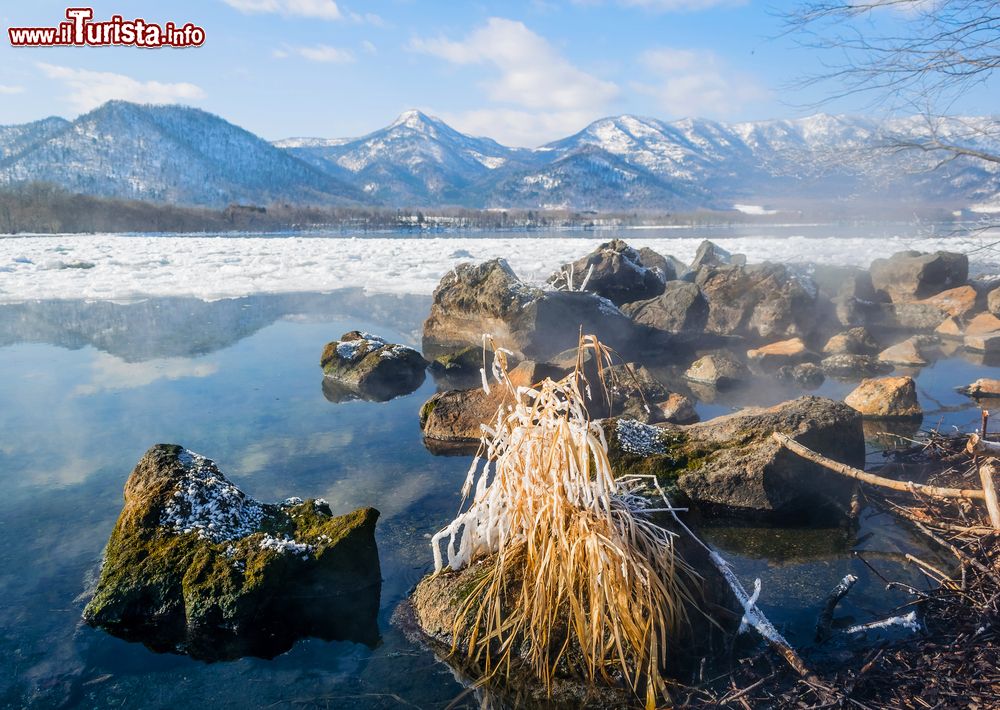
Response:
column 188, row 156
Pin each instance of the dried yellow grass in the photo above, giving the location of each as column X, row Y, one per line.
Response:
column 602, row 589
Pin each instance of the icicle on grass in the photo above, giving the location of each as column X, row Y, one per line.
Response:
column 602, row 588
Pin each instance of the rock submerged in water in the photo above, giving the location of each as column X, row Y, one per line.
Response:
column 732, row 461
column 848, row 366
column 365, row 366
column 196, row 566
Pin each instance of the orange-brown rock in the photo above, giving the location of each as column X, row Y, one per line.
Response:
column 950, row 328
column 783, row 352
column 907, row 353
column 458, row 415
column 983, row 324
column 958, row 302
column 983, row 387
column 886, row 398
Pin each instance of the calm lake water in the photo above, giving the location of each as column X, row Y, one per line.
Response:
column 88, row 387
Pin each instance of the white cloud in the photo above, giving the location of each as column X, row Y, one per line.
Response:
column 688, row 82
column 318, row 9
column 88, row 89
column 552, row 95
column 369, row 47
column 532, row 73
column 7, row 90
column 369, row 17
column 517, row 127
column 109, row 373
column 325, row 53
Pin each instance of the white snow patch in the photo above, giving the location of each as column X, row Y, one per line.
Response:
column 638, row 438
column 286, row 545
column 206, row 503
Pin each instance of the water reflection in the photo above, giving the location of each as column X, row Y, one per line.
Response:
column 236, row 380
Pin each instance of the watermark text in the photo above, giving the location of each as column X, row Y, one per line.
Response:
column 80, row 30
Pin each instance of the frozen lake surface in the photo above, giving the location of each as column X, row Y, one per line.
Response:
column 108, row 266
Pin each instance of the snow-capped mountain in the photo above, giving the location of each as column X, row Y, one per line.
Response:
column 417, row 159
column 183, row 155
column 631, row 162
column 164, row 154
column 15, row 140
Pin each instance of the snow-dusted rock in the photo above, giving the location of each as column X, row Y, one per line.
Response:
column 195, row 565
column 732, row 461
column 615, row 271
column 366, row 366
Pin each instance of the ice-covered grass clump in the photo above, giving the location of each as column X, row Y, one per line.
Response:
column 205, row 503
column 594, row 574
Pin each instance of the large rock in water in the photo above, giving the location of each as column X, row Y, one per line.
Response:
column 458, row 415
column 533, row 324
column 759, row 301
column 194, row 565
column 365, row 366
column 732, row 461
column 615, row 271
column 886, row 398
column 911, row 275
column 719, row 369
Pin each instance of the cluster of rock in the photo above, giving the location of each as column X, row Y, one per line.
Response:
column 688, row 332
column 196, row 566
column 718, row 322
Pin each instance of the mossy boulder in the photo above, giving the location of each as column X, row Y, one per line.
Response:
column 365, row 366
column 732, row 462
column 194, row 565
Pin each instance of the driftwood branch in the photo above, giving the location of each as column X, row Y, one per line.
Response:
column 872, row 479
column 987, row 470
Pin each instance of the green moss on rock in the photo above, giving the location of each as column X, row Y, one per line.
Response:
column 195, row 565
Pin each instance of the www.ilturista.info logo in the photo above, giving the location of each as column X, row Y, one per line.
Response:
column 81, row 31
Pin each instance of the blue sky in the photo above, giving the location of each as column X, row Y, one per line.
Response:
column 521, row 71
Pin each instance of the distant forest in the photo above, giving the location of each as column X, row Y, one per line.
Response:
column 41, row 208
